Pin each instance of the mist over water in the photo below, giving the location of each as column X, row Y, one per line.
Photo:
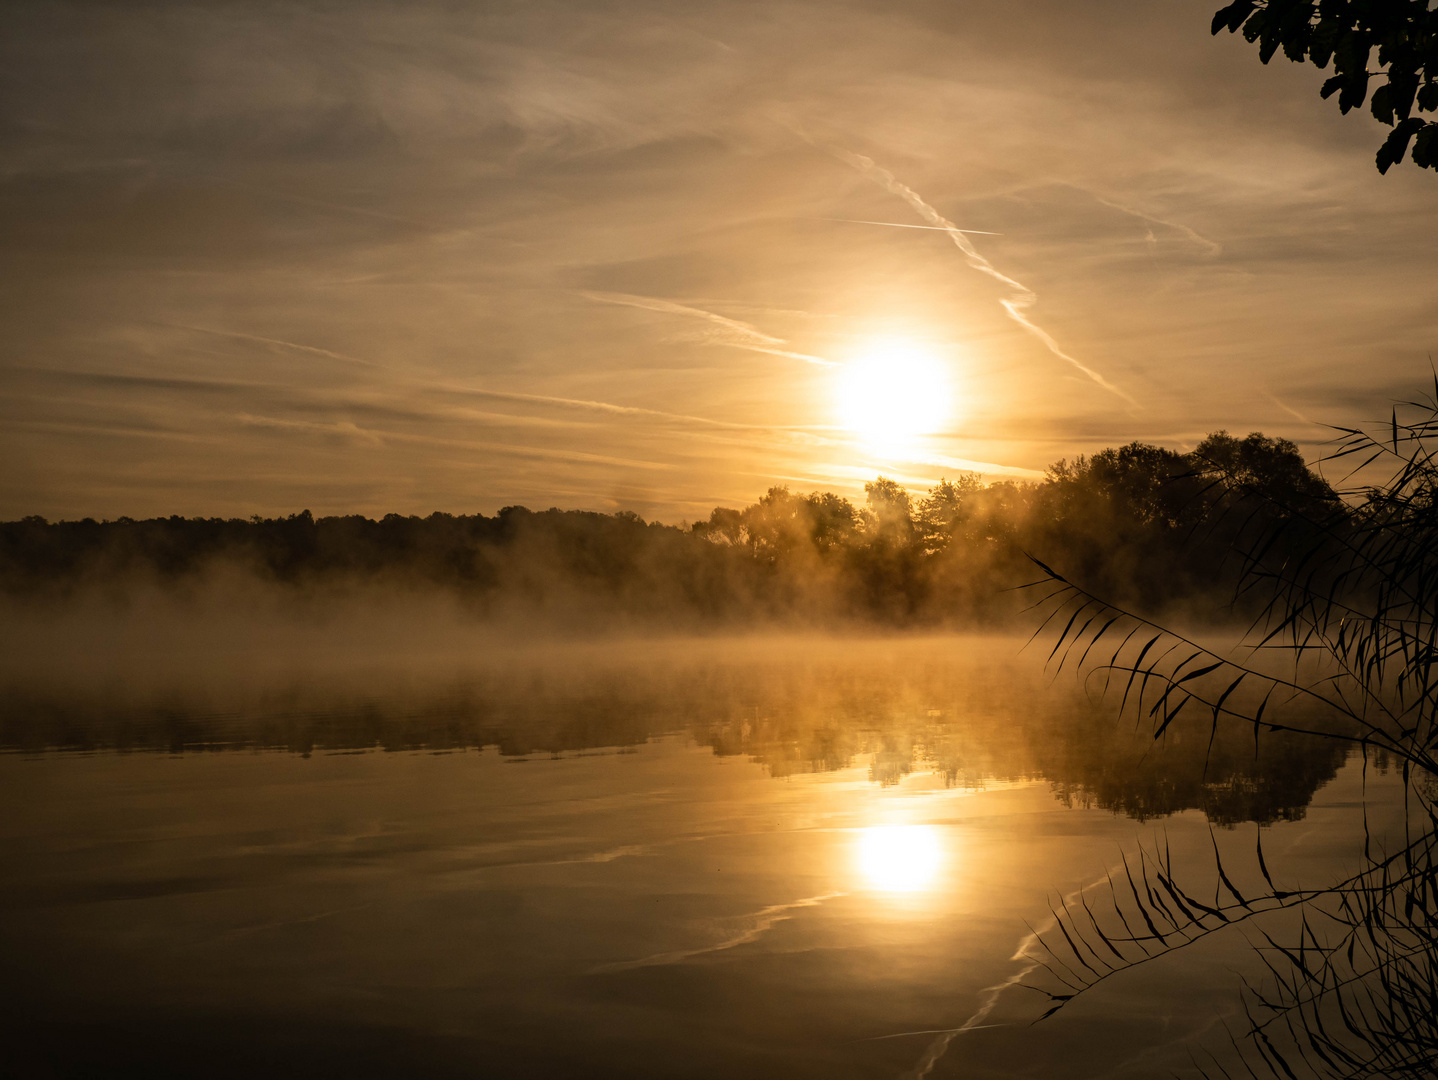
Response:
column 386, row 835
column 416, row 673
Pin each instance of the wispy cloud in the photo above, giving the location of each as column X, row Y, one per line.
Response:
column 1209, row 246
column 277, row 343
column 345, row 429
column 530, row 399
column 540, row 453
column 1016, row 305
column 987, row 468
column 726, row 331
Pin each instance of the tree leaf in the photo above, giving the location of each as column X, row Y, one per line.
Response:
column 1425, row 147
column 1396, row 145
column 1233, row 15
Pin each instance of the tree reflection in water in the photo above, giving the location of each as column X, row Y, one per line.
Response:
column 902, row 708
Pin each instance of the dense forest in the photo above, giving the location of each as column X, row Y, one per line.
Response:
column 1140, row 524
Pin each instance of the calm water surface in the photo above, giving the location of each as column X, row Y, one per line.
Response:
column 716, row 859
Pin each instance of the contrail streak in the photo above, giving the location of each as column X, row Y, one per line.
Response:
column 1290, row 410
column 731, row 331
column 1017, row 306
column 1198, row 238
column 900, row 225
column 929, row 1031
column 765, row 920
column 498, row 395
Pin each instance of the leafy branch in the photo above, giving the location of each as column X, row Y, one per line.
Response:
column 1404, row 35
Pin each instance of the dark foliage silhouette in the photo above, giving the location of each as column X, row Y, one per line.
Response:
column 1140, row 522
column 1342, row 588
column 1394, row 41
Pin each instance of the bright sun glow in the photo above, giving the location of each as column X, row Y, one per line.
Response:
column 900, row 858
column 892, row 393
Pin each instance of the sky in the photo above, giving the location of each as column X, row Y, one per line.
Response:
column 363, row 257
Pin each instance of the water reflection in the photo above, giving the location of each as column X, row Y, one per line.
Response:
column 900, row 858
column 689, row 864
column 967, row 714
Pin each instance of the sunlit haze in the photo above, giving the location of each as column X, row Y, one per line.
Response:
column 893, row 394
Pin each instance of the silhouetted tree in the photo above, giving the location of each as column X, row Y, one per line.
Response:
column 724, row 526
column 893, row 511
column 1127, row 520
column 948, row 504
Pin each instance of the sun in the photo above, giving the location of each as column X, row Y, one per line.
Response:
column 892, row 394
column 900, row 858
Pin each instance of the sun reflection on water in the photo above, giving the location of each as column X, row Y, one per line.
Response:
column 900, row 858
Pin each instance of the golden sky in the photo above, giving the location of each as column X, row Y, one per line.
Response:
column 370, row 257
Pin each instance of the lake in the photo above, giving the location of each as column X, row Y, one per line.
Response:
column 768, row 856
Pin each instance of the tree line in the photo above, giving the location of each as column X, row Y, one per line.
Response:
column 1142, row 524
